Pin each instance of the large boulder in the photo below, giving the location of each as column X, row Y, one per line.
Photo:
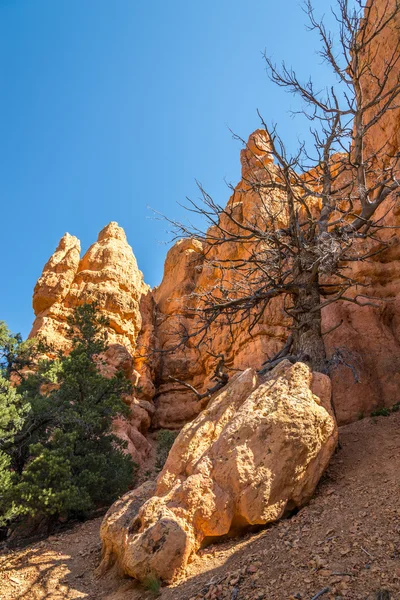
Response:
column 253, row 455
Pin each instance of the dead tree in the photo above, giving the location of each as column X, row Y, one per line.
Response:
column 318, row 209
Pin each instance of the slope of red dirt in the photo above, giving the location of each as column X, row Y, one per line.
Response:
column 345, row 543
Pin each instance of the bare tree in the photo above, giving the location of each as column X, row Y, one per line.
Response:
column 318, row 209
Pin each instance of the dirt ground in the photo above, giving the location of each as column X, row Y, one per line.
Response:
column 344, row 544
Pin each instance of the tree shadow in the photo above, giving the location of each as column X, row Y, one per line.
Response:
column 57, row 569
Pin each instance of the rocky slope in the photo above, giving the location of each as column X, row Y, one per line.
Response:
column 347, row 540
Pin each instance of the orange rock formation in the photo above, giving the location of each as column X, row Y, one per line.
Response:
column 108, row 274
column 370, row 335
column 141, row 319
column 256, row 452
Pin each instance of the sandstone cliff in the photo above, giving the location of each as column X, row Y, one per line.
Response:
column 141, row 320
column 370, row 336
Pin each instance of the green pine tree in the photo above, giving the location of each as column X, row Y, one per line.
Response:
column 13, row 412
column 64, row 459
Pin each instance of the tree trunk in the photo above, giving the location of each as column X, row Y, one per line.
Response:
column 308, row 344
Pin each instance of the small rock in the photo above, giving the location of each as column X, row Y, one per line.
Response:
column 252, row 569
column 235, row 593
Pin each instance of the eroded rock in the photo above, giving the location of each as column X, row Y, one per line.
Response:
column 107, row 274
column 369, row 337
column 255, row 453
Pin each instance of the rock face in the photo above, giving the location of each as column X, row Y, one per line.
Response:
column 187, row 273
column 58, row 274
column 256, row 453
column 369, row 336
column 142, row 320
column 132, row 430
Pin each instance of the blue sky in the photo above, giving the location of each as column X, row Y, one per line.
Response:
column 111, row 106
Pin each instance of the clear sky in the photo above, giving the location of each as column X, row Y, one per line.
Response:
column 110, row 106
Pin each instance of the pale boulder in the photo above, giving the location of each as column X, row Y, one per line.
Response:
column 116, row 523
column 254, row 454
